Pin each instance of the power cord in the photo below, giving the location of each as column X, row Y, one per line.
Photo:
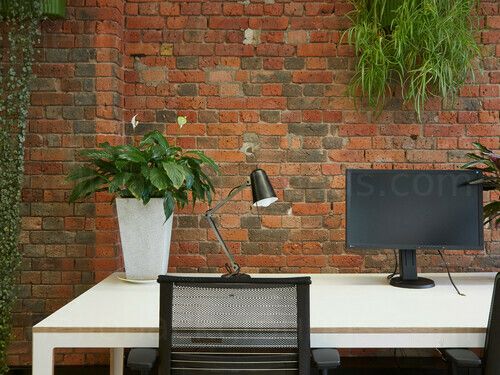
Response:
column 389, row 277
column 449, row 274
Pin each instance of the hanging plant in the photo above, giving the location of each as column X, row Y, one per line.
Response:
column 18, row 33
column 425, row 47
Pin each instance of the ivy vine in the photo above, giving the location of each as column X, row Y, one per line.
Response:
column 19, row 30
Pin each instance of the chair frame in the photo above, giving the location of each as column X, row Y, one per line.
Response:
column 303, row 314
column 466, row 362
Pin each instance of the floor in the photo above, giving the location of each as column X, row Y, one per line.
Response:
column 350, row 366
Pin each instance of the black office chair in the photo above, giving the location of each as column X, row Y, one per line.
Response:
column 465, row 362
column 248, row 326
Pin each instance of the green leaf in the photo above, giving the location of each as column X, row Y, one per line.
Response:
column 81, row 172
column 189, row 178
column 204, row 158
column 159, row 178
column 146, row 171
column 96, row 154
column 155, row 137
column 175, row 172
column 86, row 188
column 132, row 154
column 491, row 211
column 136, row 186
column 120, row 180
column 168, row 205
column 122, row 165
column 106, row 166
column 481, row 148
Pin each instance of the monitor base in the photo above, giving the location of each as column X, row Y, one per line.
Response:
column 419, row 283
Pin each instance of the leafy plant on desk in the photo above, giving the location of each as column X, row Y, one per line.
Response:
column 487, row 162
column 19, row 31
column 152, row 169
column 425, row 47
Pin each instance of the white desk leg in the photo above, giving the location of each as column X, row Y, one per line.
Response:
column 116, row 361
column 43, row 356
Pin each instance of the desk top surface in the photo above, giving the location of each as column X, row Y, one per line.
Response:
column 340, row 303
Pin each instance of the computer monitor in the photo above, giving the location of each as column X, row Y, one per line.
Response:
column 409, row 210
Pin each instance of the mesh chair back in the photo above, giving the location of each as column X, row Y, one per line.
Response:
column 234, row 326
column 492, row 346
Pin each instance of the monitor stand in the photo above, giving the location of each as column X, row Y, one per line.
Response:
column 408, row 277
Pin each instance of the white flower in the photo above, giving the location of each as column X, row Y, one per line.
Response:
column 181, row 120
column 134, row 122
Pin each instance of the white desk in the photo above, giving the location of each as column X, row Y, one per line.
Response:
column 347, row 311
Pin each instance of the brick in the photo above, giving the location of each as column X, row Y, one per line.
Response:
column 292, row 90
column 316, row 49
column 270, row 116
column 294, row 63
column 311, row 209
column 187, row 89
column 270, row 77
column 317, row 77
column 275, row 49
column 346, row 155
column 426, row 156
column 222, row 23
column 309, row 156
column 305, row 103
column 265, row 235
column 309, row 129
column 252, row 63
column 357, row 130
column 385, row 156
column 187, row 62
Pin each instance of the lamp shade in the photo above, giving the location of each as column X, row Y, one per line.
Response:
column 262, row 190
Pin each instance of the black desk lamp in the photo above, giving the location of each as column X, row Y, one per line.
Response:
column 263, row 196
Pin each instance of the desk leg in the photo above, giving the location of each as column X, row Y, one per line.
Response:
column 43, row 356
column 116, row 361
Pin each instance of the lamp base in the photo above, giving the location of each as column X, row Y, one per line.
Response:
column 242, row 276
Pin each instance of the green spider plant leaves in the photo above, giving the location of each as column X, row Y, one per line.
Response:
column 426, row 47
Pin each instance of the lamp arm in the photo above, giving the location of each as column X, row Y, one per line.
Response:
column 208, row 214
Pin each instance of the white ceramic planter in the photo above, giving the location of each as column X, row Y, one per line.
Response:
column 145, row 237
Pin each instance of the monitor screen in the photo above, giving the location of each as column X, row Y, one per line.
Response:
column 406, row 209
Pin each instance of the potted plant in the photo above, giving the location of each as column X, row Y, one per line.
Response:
column 489, row 163
column 425, row 47
column 148, row 180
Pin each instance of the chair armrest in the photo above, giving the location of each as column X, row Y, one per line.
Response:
column 141, row 359
column 326, row 358
column 462, row 357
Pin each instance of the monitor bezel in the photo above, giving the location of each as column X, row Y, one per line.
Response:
column 350, row 246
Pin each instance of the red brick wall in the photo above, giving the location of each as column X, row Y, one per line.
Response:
column 272, row 97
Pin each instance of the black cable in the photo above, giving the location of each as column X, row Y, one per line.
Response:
column 449, row 274
column 389, row 277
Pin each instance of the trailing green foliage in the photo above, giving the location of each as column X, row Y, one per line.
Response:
column 489, row 163
column 426, row 47
column 19, row 32
column 153, row 169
